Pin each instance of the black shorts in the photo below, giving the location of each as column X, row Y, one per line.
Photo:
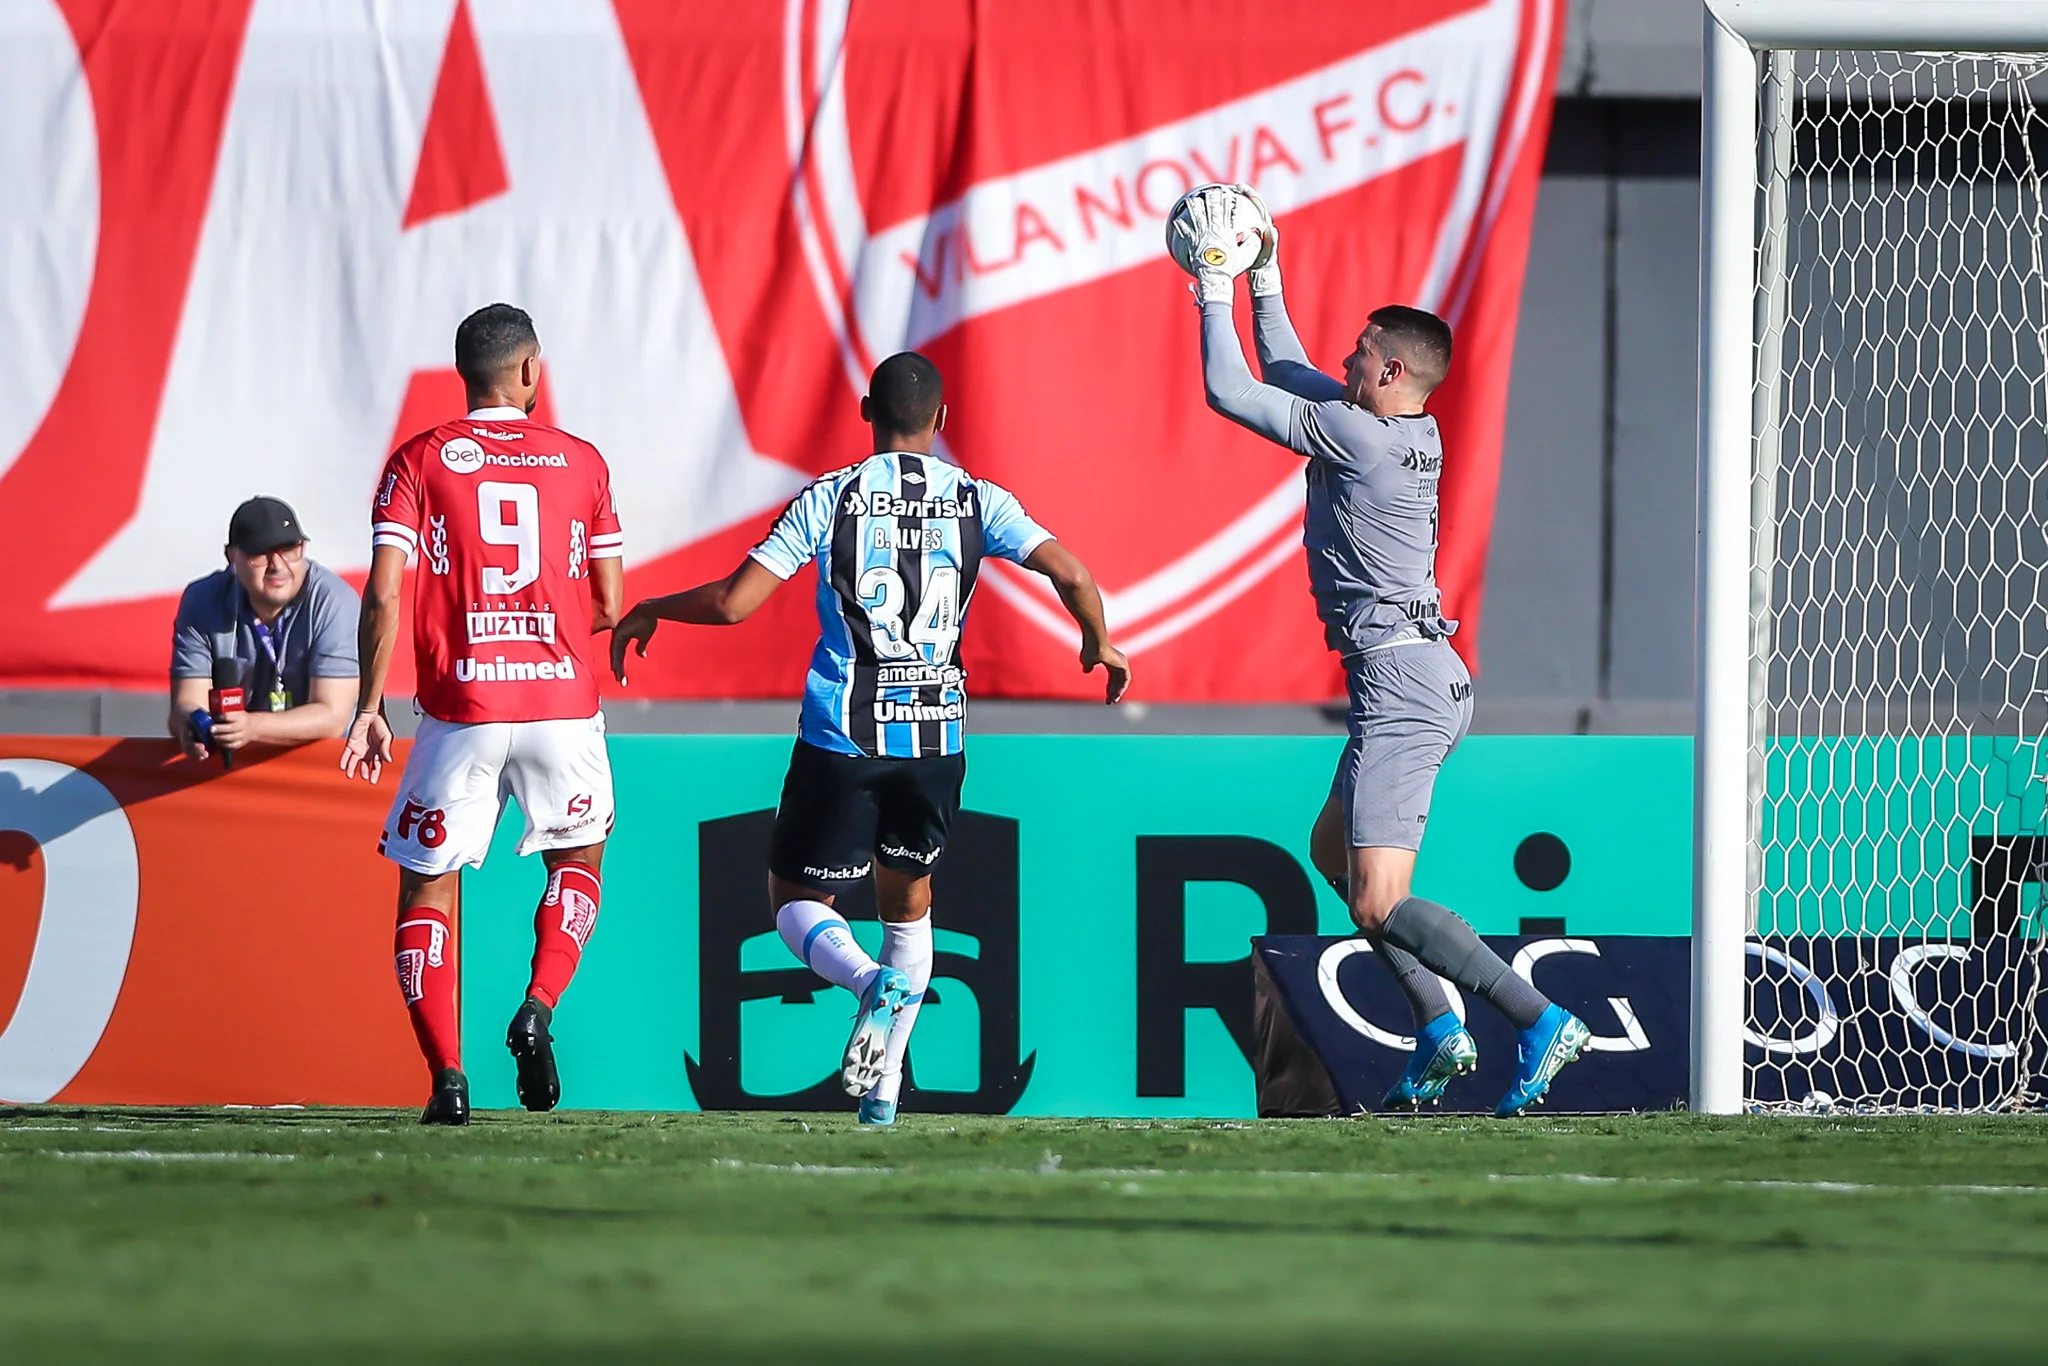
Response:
column 841, row 812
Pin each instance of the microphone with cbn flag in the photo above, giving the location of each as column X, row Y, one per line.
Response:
column 223, row 700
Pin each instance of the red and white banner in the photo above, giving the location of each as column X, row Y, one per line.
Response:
column 237, row 237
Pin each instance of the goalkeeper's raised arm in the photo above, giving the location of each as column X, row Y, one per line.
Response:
column 1282, row 359
column 1278, row 408
column 1369, row 526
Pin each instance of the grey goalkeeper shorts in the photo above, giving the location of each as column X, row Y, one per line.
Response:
column 1411, row 704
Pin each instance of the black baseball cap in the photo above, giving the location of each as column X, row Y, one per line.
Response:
column 264, row 524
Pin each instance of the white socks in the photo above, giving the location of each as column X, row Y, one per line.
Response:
column 821, row 937
column 908, row 948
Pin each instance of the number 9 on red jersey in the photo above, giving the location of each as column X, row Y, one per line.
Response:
column 502, row 517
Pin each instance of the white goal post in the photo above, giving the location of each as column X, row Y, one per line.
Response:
column 1873, row 383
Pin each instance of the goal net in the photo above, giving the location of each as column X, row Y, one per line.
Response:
column 1898, row 582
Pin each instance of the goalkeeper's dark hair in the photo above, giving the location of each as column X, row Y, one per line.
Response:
column 1419, row 340
column 904, row 394
column 490, row 341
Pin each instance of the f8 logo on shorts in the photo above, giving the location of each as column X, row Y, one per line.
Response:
column 431, row 823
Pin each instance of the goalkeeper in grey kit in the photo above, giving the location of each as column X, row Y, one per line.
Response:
column 1370, row 530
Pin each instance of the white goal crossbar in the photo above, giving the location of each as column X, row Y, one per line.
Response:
column 1734, row 223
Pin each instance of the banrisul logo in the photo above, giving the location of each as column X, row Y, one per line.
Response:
column 1416, row 127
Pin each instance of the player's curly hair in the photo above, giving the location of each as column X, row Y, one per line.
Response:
column 904, row 394
column 492, row 338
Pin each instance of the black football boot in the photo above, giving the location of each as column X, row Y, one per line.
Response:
column 533, row 1052
column 450, row 1103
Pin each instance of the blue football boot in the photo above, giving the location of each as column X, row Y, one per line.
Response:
column 879, row 1005
column 1443, row 1050
column 876, row 1112
column 1557, row 1037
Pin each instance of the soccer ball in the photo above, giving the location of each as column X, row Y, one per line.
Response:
column 1217, row 227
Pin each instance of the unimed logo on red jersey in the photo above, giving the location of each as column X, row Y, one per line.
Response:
column 470, row 669
column 714, row 266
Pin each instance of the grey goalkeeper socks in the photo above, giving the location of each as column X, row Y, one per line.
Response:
column 1446, row 944
column 1425, row 994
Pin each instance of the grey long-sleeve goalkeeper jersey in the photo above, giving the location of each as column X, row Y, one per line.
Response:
column 1370, row 527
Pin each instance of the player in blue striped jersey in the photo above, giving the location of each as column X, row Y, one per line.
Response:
column 874, row 779
column 898, row 539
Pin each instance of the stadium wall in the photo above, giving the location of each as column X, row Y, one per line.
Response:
column 173, row 934
column 219, row 977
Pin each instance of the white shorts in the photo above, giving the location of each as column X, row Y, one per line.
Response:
column 457, row 778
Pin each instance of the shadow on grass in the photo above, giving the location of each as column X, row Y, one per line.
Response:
column 1791, row 1241
column 1257, row 1343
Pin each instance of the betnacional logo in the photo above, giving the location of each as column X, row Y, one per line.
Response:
column 462, row 455
column 466, row 457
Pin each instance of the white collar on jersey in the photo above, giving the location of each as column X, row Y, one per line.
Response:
column 496, row 415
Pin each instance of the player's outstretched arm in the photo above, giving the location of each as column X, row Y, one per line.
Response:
column 1283, row 361
column 1229, row 385
column 1083, row 602
column 367, row 747
column 723, row 602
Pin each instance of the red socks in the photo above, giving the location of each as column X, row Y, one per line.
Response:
column 561, row 927
column 425, row 950
column 426, row 973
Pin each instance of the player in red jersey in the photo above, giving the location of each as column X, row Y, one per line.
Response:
column 519, row 564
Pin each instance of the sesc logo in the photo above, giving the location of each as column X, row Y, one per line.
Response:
column 463, row 455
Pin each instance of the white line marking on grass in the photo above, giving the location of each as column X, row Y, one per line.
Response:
column 145, row 1155
column 1562, row 1178
column 799, row 1168
column 1825, row 1187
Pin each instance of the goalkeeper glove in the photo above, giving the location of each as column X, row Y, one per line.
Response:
column 1203, row 241
column 1212, row 287
column 1264, row 274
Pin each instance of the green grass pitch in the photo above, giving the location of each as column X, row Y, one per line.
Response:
column 355, row 1236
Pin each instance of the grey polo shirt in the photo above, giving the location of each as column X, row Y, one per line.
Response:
column 315, row 636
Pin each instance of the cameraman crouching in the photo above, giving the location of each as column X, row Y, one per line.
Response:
column 289, row 626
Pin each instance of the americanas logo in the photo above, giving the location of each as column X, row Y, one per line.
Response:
column 463, row 455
